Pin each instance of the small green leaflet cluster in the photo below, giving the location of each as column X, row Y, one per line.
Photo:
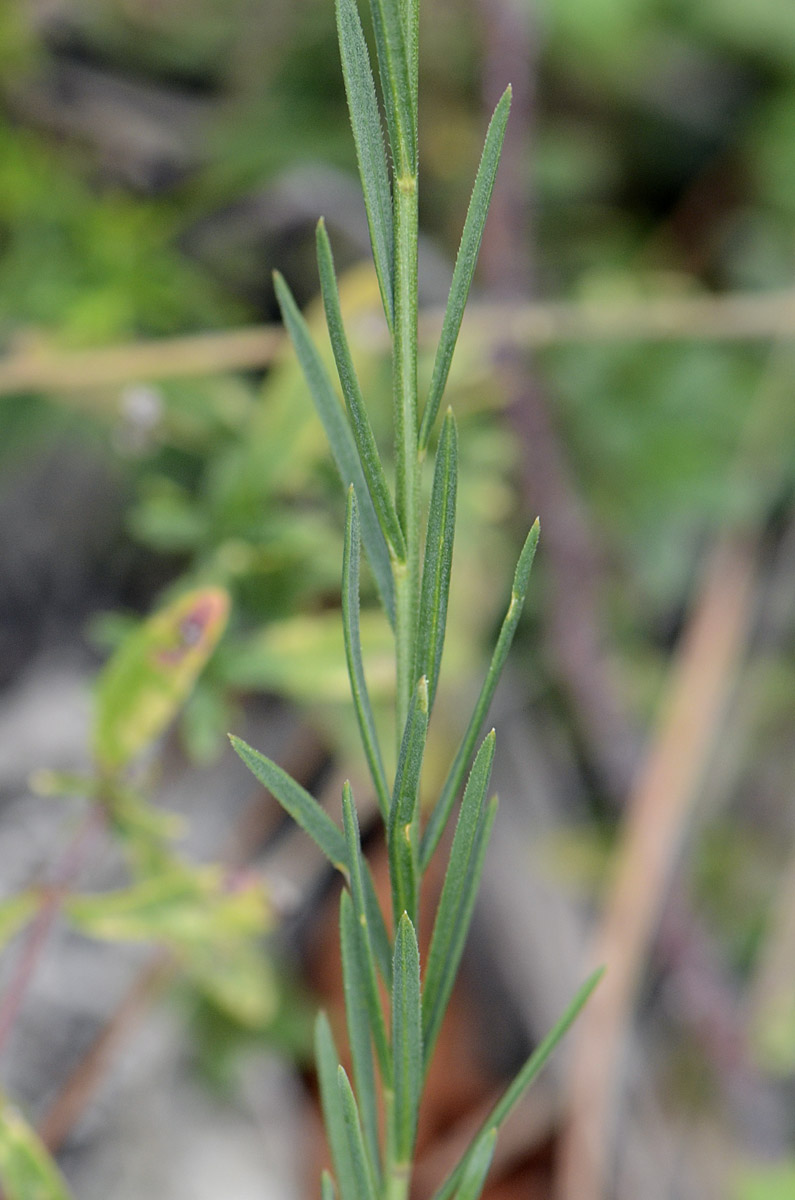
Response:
column 390, row 1051
column 212, row 932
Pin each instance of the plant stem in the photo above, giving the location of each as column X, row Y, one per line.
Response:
column 406, row 436
column 397, row 1184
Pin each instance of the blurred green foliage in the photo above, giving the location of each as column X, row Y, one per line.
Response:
column 26, row 1169
column 661, row 163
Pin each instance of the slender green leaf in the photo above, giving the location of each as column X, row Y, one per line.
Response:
column 360, row 422
column 438, row 558
column 360, row 1162
column 410, row 16
column 327, row 1189
column 396, row 83
column 403, row 830
column 328, row 1067
column 296, row 801
column 379, row 938
column 149, row 678
column 460, row 883
column 441, row 812
column 353, row 654
column 406, row 1039
column 341, row 440
column 465, row 263
column 456, row 948
column 27, row 1172
column 315, row 821
column 477, row 1168
column 513, row 1094
column 367, row 971
column 370, row 150
column 356, row 988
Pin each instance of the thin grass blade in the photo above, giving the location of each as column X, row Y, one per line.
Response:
column 438, row 558
column 477, row 1168
column 379, row 938
column 327, row 1061
column 341, row 441
column 355, row 987
column 450, row 926
column 444, row 804
column 522, row 1082
column 357, row 413
column 296, row 801
column 353, row 654
column 465, row 262
column 327, row 1188
column 370, row 150
column 443, row 985
column 396, row 82
column 360, row 1162
column 403, row 829
column 406, row 1039
column 367, row 968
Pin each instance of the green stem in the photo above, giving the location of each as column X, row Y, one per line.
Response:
column 406, row 438
column 398, row 1181
column 397, row 1175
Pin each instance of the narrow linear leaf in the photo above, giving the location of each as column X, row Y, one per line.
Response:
column 360, row 1163
column 370, row 150
column 465, row 262
column 450, row 927
column 410, row 13
column 406, row 1039
column 353, row 654
column 448, row 968
column 368, row 980
column 327, row 1189
column 328, row 1067
column 438, row 558
column 341, row 441
column 379, row 938
column 396, row 85
column 513, row 1094
column 360, row 422
column 477, row 1168
column 403, row 829
column 355, row 986
column 441, row 812
column 387, row 99
column 315, row 821
column 296, row 801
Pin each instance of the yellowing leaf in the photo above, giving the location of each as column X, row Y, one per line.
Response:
column 304, row 658
column 14, row 912
column 238, row 978
column 149, row 678
column 182, row 907
column 26, row 1170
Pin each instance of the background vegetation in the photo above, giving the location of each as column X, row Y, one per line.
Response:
column 158, row 161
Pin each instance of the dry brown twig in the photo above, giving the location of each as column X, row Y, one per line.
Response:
column 732, row 317
column 657, row 819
